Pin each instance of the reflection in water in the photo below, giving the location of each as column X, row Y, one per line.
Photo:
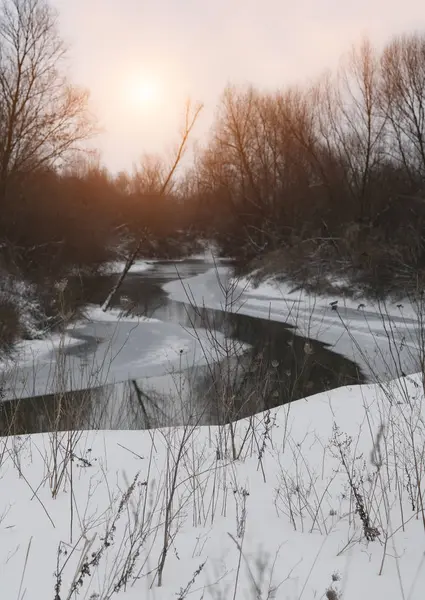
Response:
column 277, row 367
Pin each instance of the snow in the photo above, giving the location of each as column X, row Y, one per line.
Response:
column 22, row 295
column 139, row 266
column 93, row 312
column 279, row 521
column 28, row 352
column 210, row 253
column 383, row 338
column 106, row 348
column 320, row 498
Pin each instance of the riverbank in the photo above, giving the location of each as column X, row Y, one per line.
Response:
column 34, row 304
column 320, row 268
column 382, row 337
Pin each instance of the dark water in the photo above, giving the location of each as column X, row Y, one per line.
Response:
column 278, row 367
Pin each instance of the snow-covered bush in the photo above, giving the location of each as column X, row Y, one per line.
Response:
column 21, row 315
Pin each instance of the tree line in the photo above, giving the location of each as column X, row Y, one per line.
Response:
column 333, row 171
column 327, row 177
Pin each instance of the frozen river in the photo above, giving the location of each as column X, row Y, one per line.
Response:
column 182, row 338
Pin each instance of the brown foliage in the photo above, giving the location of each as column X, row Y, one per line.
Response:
column 340, row 162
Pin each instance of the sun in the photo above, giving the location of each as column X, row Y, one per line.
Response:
column 143, row 92
column 146, row 92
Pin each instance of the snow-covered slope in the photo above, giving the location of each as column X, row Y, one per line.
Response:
column 321, row 497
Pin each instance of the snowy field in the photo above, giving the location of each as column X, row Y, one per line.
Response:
column 322, row 498
column 319, row 499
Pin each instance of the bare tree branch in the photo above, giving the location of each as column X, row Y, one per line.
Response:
column 190, row 120
column 42, row 117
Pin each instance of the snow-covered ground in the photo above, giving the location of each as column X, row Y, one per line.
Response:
column 323, row 498
column 28, row 352
column 106, row 348
column 319, row 499
column 139, row 266
column 383, row 338
column 95, row 314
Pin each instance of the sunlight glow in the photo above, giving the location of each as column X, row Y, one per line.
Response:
column 143, row 92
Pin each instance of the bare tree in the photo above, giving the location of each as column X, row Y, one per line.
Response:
column 262, row 158
column 403, row 98
column 238, row 163
column 352, row 123
column 149, row 176
column 191, row 116
column 42, row 117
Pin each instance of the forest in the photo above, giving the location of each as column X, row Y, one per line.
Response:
column 325, row 178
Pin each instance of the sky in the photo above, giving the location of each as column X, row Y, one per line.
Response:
column 141, row 59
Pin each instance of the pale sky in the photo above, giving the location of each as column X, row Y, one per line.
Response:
column 142, row 58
